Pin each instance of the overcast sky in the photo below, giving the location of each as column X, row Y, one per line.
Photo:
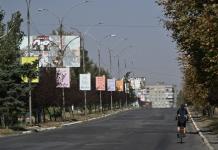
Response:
column 141, row 42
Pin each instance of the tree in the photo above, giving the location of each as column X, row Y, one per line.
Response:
column 194, row 26
column 11, row 89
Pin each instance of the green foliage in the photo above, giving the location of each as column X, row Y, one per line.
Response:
column 12, row 90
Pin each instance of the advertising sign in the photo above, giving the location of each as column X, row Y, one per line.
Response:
column 100, row 83
column 127, row 87
column 111, row 85
column 49, row 51
column 85, row 82
column 29, row 60
column 119, row 85
column 63, row 77
column 142, row 98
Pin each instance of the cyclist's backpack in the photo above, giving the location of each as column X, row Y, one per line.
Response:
column 182, row 115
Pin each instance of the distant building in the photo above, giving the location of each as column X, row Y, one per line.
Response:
column 161, row 95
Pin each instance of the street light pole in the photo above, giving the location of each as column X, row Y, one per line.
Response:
column 99, row 60
column 118, row 65
column 83, row 58
column 60, row 64
column 84, row 66
column 111, row 73
column 99, row 73
column 29, row 80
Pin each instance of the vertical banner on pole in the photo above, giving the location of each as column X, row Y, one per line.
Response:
column 127, row 87
column 63, row 77
column 100, row 83
column 85, row 82
column 119, row 85
column 111, row 85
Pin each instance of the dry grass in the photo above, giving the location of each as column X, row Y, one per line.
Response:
column 6, row 132
column 214, row 125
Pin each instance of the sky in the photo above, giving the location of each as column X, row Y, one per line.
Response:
column 141, row 43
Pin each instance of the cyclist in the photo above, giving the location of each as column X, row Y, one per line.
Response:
column 182, row 117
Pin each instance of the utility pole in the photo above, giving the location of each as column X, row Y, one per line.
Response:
column 61, row 65
column 110, row 60
column 111, row 73
column 118, row 65
column 84, row 70
column 127, row 85
column 99, row 73
column 62, row 50
column 29, row 80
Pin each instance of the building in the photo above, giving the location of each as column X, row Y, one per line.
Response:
column 161, row 95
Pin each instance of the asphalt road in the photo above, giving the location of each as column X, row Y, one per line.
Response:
column 143, row 129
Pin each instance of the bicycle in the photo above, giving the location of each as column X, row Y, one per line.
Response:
column 181, row 135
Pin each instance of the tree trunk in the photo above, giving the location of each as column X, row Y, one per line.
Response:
column 43, row 113
column 3, row 121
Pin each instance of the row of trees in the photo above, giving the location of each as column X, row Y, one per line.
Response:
column 46, row 98
column 194, row 26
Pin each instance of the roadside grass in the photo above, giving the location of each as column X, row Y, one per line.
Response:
column 49, row 123
column 6, row 132
column 214, row 125
column 12, row 130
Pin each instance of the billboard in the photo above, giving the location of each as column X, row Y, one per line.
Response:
column 85, row 82
column 49, row 51
column 63, row 77
column 100, row 83
column 26, row 60
column 111, row 85
column 119, row 85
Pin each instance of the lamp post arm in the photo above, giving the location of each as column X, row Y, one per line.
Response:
column 62, row 51
column 69, row 43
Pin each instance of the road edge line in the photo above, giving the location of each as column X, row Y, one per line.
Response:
column 200, row 133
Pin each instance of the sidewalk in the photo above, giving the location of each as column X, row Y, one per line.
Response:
column 205, row 129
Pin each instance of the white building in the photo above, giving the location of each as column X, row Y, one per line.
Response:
column 161, row 96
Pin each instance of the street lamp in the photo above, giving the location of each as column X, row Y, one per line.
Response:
column 60, row 21
column 83, row 51
column 29, row 80
column 111, row 49
column 84, row 69
column 99, row 43
column 118, row 58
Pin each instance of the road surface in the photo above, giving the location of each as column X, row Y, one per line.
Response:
column 141, row 129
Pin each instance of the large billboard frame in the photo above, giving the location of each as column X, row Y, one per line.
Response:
column 50, row 51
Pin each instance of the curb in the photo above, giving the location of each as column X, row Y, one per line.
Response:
column 67, row 124
column 103, row 116
column 71, row 123
column 200, row 133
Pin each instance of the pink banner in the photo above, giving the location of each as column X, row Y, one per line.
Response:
column 63, row 77
column 100, row 83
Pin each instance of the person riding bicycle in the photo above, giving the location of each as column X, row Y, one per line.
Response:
column 182, row 117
